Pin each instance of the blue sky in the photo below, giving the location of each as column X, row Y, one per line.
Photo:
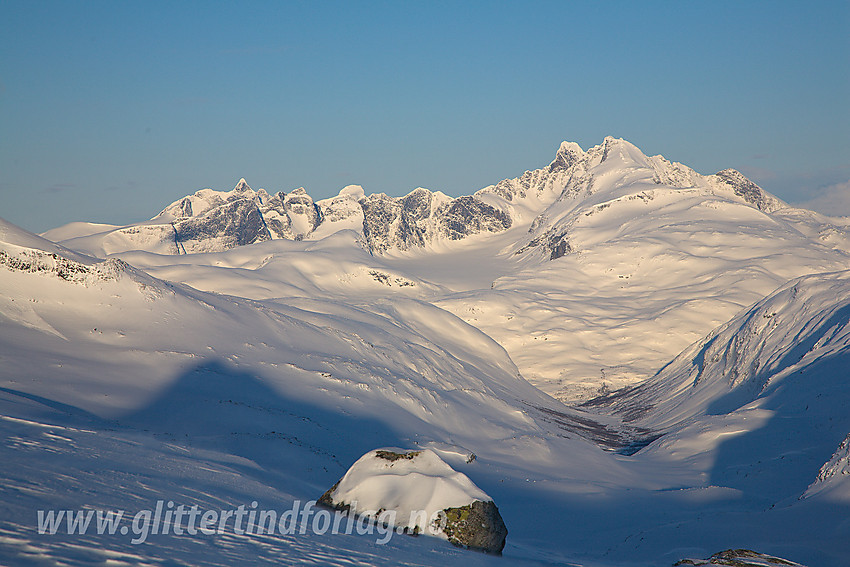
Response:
column 111, row 110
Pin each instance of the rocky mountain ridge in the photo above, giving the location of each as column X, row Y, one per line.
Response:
column 213, row 221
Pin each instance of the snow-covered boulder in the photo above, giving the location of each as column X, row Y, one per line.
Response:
column 418, row 492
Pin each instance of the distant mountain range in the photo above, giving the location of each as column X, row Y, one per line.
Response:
column 213, row 221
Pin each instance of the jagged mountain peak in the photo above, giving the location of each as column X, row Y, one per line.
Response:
column 242, row 186
column 567, row 147
column 613, row 150
column 420, row 191
column 568, row 153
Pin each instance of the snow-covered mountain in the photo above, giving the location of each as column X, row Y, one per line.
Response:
column 213, row 221
column 245, row 346
column 562, row 265
column 640, row 247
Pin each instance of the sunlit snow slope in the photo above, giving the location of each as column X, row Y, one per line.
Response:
column 608, row 262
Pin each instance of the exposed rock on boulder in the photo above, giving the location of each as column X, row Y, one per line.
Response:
column 740, row 558
column 476, row 526
column 424, row 495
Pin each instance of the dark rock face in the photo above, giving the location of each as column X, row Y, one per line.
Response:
column 277, row 221
column 417, row 203
column 245, row 217
column 559, row 247
column 413, row 220
column 49, row 263
column 298, row 202
column 564, row 159
column 747, row 190
column 387, row 224
column 236, row 223
column 467, row 215
column 326, row 499
column 186, row 208
column 477, row 526
column 392, row 456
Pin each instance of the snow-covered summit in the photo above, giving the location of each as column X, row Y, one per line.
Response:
column 14, row 236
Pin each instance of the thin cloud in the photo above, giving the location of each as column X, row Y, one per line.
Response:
column 758, row 174
column 254, row 50
column 59, row 188
column 832, row 200
column 128, row 186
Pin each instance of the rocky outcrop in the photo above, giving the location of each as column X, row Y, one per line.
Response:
column 20, row 259
column 234, row 223
column 747, row 190
column 466, row 216
column 388, row 224
column 834, row 472
column 740, row 558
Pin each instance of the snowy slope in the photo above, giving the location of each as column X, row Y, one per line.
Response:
column 760, row 402
column 109, row 313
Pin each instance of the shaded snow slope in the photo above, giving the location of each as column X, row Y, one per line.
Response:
column 760, row 403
